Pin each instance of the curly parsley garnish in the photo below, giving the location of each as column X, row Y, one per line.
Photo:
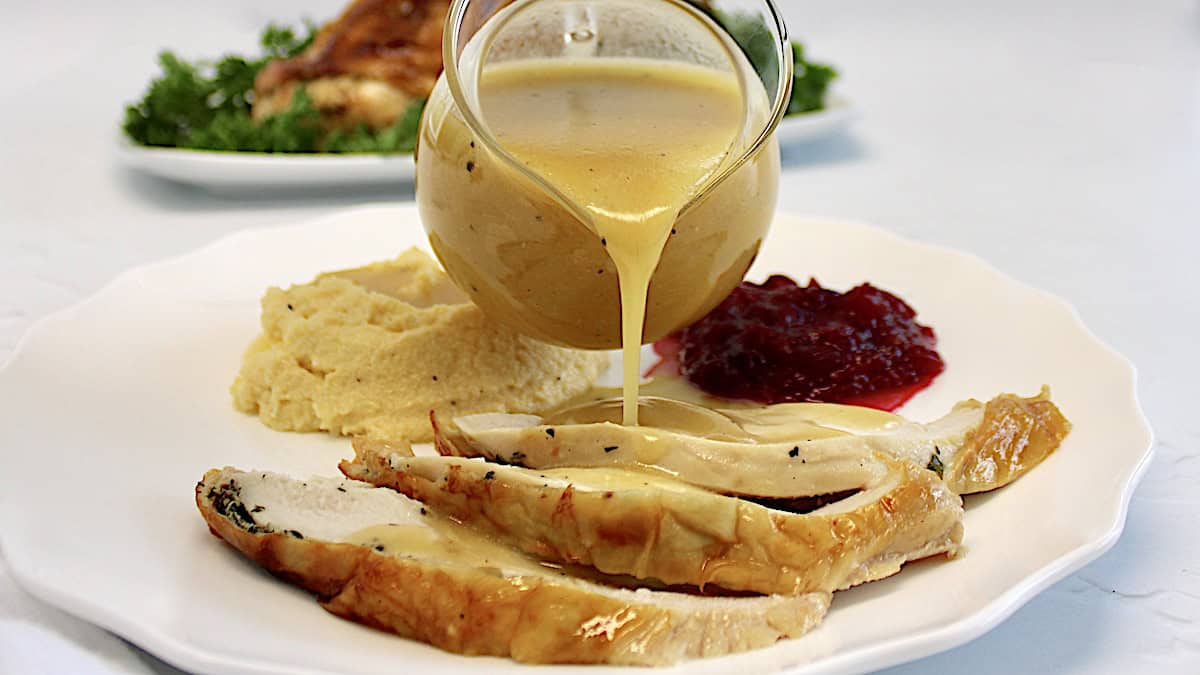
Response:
column 810, row 80
column 206, row 105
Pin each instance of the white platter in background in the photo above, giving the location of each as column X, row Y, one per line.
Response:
column 115, row 407
column 240, row 171
column 837, row 115
column 245, row 171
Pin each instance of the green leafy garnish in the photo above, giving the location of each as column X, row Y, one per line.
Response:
column 206, row 106
column 400, row 137
column 281, row 42
column 756, row 42
column 810, row 80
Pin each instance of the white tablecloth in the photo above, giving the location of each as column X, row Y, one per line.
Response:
column 1060, row 141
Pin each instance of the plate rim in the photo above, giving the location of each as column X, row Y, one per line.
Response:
column 839, row 112
column 233, row 172
column 891, row 652
column 126, row 147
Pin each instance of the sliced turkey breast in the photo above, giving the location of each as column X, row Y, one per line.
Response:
column 644, row 524
column 374, row 556
column 782, row 451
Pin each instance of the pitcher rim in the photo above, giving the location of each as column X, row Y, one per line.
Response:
column 779, row 104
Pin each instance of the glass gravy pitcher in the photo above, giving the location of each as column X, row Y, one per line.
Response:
column 510, row 212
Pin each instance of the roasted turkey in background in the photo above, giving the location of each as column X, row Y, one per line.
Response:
column 365, row 67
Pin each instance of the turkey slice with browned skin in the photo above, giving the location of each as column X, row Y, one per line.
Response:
column 975, row 448
column 650, row 526
column 443, row 584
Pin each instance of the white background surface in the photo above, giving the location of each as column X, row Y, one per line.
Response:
column 1059, row 141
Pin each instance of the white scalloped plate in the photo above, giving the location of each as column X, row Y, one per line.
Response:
column 115, row 407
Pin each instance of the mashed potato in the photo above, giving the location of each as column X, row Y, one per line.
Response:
column 370, row 351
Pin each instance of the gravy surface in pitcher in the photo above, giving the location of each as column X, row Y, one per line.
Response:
column 630, row 142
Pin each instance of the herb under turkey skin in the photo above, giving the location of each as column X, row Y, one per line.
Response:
column 800, row 504
column 935, row 463
column 227, row 502
column 516, row 459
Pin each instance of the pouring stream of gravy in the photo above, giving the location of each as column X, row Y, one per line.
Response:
column 631, row 142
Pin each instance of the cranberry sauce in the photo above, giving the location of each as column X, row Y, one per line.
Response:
column 780, row 342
